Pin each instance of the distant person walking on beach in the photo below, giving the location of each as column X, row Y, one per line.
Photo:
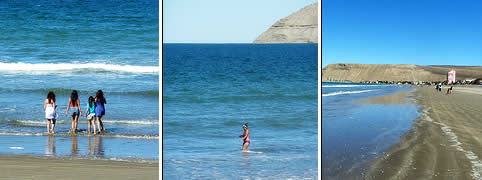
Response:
column 439, row 87
column 90, row 113
column 99, row 109
column 245, row 137
column 74, row 102
column 50, row 114
column 449, row 90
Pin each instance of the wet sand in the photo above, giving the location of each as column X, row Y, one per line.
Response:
column 393, row 99
column 32, row 167
column 445, row 142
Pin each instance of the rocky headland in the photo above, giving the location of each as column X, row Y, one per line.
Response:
column 299, row 27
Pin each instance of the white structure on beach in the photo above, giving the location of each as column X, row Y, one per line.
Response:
column 451, row 77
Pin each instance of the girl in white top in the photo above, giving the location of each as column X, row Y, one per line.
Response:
column 50, row 114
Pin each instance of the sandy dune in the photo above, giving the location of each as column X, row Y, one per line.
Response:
column 395, row 72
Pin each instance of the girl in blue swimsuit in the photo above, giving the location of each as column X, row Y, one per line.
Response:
column 99, row 109
column 74, row 102
column 90, row 113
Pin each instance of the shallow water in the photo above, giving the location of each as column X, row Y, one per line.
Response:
column 81, row 147
column 354, row 134
column 62, row 46
column 210, row 90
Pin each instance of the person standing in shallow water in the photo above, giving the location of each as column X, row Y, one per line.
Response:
column 50, row 114
column 74, row 102
column 99, row 109
column 90, row 114
column 245, row 137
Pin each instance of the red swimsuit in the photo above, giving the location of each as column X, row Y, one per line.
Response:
column 244, row 134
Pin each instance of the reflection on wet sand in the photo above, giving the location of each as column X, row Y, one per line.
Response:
column 74, row 146
column 95, row 146
column 50, row 150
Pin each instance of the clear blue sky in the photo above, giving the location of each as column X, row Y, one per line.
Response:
column 223, row 21
column 422, row 32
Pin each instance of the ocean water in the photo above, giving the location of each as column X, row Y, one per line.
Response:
column 62, row 46
column 353, row 134
column 210, row 90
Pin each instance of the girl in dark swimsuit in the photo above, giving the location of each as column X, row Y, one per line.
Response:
column 74, row 102
column 245, row 137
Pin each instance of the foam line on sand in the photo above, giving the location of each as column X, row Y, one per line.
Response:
column 444, row 142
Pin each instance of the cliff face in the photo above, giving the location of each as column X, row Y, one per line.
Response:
column 395, row 72
column 299, row 27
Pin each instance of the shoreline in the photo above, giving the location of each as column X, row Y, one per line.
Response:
column 443, row 142
column 35, row 167
column 380, row 107
column 104, row 135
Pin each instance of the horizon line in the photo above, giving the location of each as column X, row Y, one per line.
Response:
column 227, row 43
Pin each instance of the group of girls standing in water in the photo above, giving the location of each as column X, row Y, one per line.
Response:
column 94, row 111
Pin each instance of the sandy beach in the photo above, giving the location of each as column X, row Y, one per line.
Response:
column 31, row 167
column 444, row 143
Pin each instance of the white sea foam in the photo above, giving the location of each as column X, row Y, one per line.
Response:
column 38, row 122
column 453, row 138
column 252, row 151
column 128, row 159
column 346, row 92
column 473, row 158
column 69, row 67
column 18, row 148
column 130, row 122
column 133, row 136
column 65, row 134
column 22, row 134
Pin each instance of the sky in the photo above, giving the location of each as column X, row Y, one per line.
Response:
column 421, row 32
column 223, row 21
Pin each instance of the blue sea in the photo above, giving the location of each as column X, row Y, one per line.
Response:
column 211, row 90
column 86, row 45
column 354, row 134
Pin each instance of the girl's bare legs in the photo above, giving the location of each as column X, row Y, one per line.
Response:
column 98, row 122
column 53, row 126
column 76, row 122
column 90, row 122
column 101, row 124
column 72, row 129
column 48, row 126
column 93, row 124
column 245, row 146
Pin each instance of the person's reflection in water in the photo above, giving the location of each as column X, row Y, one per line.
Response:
column 245, row 155
column 74, row 146
column 99, row 152
column 95, row 146
column 90, row 150
column 50, row 151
